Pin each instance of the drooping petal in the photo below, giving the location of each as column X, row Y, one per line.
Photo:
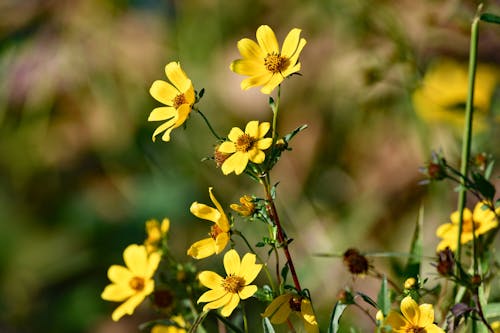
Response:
column 163, row 92
column 222, row 221
column 251, row 50
column 249, row 269
column 234, row 134
column 205, row 212
column 267, row 40
column 291, row 70
column 202, row 249
column 119, row 274
column 182, row 114
column 263, row 144
column 164, row 127
column 410, row 310
column 162, row 113
column 136, row 259
column 227, row 147
column 248, row 67
column 282, row 313
column 177, row 76
column 252, row 128
column 117, row 292
column 232, row 262
column 218, row 302
column 153, row 262
column 211, row 295
column 273, row 82
column 308, row 316
column 210, row 279
column 290, row 43
column 127, row 307
column 426, row 315
column 221, row 242
column 256, row 80
column 247, row 291
column 395, row 320
column 231, row 305
column 276, row 303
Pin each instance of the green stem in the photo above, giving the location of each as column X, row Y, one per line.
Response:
column 208, row 124
column 275, row 114
column 198, row 321
column 227, row 323
column 244, row 315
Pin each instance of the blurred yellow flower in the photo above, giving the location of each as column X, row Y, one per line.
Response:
column 482, row 219
column 219, row 233
column 283, row 306
column 496, row 326
column 415, row 318
column 227, row 292
column 245, row 146
column 246, row 207
column 442, row 94
column 264, row 63
column 131, row 284
column 178, row 96
column 155, row 233
column 171, row 328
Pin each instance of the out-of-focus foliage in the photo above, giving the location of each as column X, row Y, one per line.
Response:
column 79, row 174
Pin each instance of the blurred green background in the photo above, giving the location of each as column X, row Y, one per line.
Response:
column 79, row 174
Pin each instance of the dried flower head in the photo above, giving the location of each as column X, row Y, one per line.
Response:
column 355, row 262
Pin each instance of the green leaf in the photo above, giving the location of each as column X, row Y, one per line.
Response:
column 337, row 312
column 264, row 294
column 490, row 18
column 267, row 326
column 368, row 299
column 492, row 310
column 414, row 261
column 383, row 299
column 290, row 135
column 483, row 186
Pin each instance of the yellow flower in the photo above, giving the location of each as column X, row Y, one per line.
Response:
column 483, row 220
column 133, row 283
column 171, row 329
column 415, row 318
column 496, row 326
column 246, row 208
column 442, row 95
column 156, row 233
column 264, row 63
column 245, row 146
column 178, row 97
column 219, row 233
column 282, row 306
column 227, row 292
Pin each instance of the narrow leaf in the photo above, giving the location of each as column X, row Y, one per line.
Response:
column 337, row 312
column 267, row 326
column 384, row 302
column 415, row 258
column 490, row 18
column 368, row 299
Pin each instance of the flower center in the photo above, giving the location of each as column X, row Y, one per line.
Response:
column 245, row 142
column 295, row 303
column 275, row 63
column 415, row 329
column 468, row 225
column 233, row 284
column 215, row 231
column 179, row 100
column 137, row 283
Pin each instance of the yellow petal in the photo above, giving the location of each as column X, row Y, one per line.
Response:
column 395, row 320
column 127, row 307
column 265, row 143
column 236, row 162
column 248, row 268
column 162, row 113
column 255, row 155
column 248, row 67
column 247, row 291
column 163, row 92
column 177, row 76
column 308, row 316
column 291, row 43
column 263, row 129
column 252, row 128
column 295, row 57
column 234, row 134
column 222, row 221
column 291, row 69
column 164, row 127
column 410, row 310
column 267, row 40
column 230, row 306
column 273, row 82
column 467, row 215
column 165, row 226
column 256, row 80
column 227, row 147
column 119, row 274
column 136, row 259
column 444, row 229
column 189, row 95
column 218, row 302
column 152, row 264
column 433, row 329
column 202, row 249
column 211, row 295
column 221, row 242
column 210, row 279
column 426, row 315
column 276, row 303
column 250, row 50
column 117, row 292
column 205, row 212
column 232, row 262
column 282, row 314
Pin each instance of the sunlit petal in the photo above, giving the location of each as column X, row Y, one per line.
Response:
column 221, row 242
column 410, row 310
column 247, row 291
column 265, row 143
column 212, row 295
column 230, row 306
column 234, row 134
column 273, row 82
column 218, row 302
column 162, row 113
column 426, row 315
column 127, row 307
column 136, row 259
column 202, row 249
column 267, row 40
column 227, row 147
column 119, row 274
column 210, row 279
column 290, row 43
column 205, row 212
column 250, row 50
column 256, row 80
column 232, row 262
column 248, row 67
column 163, row 92
column 177, row 76
column 117, row 292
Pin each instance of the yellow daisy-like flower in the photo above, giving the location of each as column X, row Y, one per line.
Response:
column 496, row 326
column 245, row 146
column 219, row 233
column 482, row 219
column 442, row 95
column 178, row 96
column 247, row 207
column 227, row 292
column 283, row 306
column 131, row 284
column 155, row 233
column 415, row 318
column 264, row 63
column 171, row 329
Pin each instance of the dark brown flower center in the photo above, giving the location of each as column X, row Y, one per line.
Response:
column 245, row 142
column 137, row 283
column 275, row 63
column 233, row 284
column 295, row 303
column 215, row 231
column 179, row 100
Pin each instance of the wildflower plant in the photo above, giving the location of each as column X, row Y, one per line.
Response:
column 187, row 299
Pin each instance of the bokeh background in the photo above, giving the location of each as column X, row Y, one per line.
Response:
column 79, row 173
